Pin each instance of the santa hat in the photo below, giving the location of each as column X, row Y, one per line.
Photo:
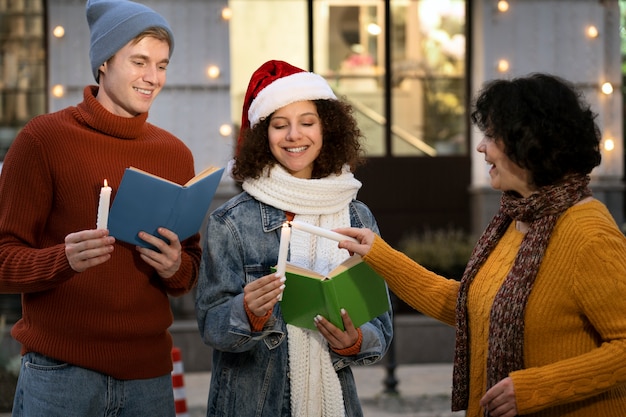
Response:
column 276, row 84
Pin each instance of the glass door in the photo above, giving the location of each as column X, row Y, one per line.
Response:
column 22, row 66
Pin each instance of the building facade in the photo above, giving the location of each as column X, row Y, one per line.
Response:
column 409, row 67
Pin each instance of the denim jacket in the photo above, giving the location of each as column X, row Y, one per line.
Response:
column 250, row 370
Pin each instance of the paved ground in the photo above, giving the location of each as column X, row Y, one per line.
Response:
column 422, row 391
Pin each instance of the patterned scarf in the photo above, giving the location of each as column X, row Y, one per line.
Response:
column 315, row 387
column 506, row 324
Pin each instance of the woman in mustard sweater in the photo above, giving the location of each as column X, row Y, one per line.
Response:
column 540, row 313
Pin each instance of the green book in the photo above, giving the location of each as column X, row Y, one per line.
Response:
column 353, row 286
column 146, row 202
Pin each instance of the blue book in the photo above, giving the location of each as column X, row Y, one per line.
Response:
column 146, row 202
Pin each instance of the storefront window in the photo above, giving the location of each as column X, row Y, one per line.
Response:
column 263, row 30
column 349, row 52
column 22, row 66
column 427, row 67
column 428, row 44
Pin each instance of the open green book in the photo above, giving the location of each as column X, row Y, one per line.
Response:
column 353, row 286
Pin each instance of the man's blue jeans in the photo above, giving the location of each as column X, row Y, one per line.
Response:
column 50, row 388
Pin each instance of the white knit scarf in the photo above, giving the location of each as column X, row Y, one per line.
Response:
column 315, row 387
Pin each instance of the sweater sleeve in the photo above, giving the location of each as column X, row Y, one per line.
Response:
column 422, row 289
column 27, row 196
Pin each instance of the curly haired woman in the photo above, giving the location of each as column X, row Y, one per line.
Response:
column 539, row 313
column 297, row 150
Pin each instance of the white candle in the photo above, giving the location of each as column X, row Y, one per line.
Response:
column 281, row 265
column 285, row 236
column 103, row 207
column 328, row 234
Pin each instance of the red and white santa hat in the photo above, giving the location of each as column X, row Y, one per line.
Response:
column 274, row 85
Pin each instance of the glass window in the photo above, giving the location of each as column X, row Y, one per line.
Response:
column 427, row 41
column 263, row 30
column 427, row 68
column 428, row 77
column 22, row 66
column 349, row 52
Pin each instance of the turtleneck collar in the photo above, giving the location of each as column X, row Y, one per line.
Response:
column 97, row 117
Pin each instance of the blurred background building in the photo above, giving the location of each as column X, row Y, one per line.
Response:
column 409, row 67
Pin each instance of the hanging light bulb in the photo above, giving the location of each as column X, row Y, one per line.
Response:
column 58, row 90
column 503, row 6
column 592, row 32
column 607, row 88
column 58, row 32
column 227, row 13
column 213, row 71
column 226, row 130
column 503, row 65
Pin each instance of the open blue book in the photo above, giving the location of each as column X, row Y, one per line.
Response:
column 146, row 202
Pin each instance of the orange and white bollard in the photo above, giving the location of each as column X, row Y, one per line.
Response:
column 178, row 384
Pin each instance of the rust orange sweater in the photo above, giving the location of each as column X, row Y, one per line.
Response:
column 112, row 318
column 575, row 321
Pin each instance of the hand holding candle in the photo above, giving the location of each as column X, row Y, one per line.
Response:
column 103, row 207
column 328, row 234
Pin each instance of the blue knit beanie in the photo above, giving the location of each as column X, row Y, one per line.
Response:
column 114, row 23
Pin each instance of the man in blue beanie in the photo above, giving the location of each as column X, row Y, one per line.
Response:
column 95, row 312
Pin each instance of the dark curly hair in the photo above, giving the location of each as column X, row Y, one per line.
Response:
column 341, row 144
column 544, row 123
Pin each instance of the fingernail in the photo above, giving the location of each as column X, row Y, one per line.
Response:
column 343, row 311
column 283, row 278
column 282, row 287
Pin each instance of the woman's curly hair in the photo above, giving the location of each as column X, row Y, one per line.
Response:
column 341, row 144
column 544, row 123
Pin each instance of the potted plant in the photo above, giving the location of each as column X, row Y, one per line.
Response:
column 444, row 251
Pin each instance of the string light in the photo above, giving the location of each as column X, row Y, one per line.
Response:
column 503, row 6
column 58, row 90
column 226, row 130
column 58, row 32
column 227, row 13
column 607, row 88
column 503, row 65
column 213, row 71
column 592, row 31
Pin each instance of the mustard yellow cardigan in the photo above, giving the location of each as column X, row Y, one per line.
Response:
column 575, row 321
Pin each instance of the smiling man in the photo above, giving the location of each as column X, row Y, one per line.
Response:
column 96, row 312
